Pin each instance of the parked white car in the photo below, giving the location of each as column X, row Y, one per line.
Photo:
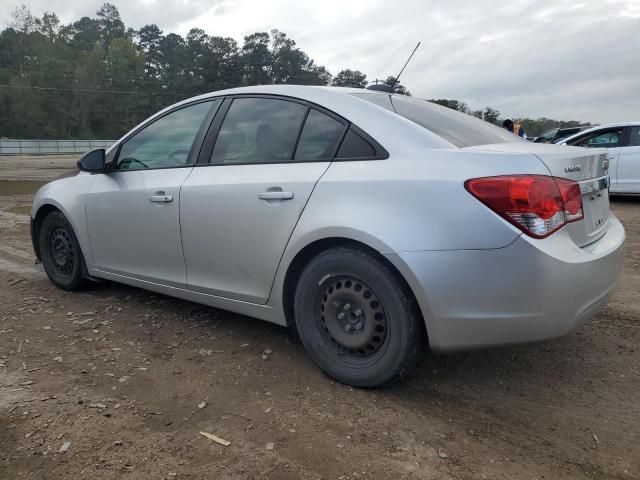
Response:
column 623, row 142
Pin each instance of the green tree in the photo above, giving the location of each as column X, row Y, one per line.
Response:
column 489, row 114
column 83, row 34
column 397, row 86
column 452, row 104
column 222, row 68
column 49, row 26
column 256, row 59
column 289, row 64
column 149, row 39
column 350, row 78
column 24, row 23
column 110, row 24
column 172, row 60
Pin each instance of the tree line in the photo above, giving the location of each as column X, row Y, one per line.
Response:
column 96, row 78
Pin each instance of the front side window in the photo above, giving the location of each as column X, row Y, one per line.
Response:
column 166, row 142
column 259, row 130
column 608, row 139
column 319, row 138
column 634, row 137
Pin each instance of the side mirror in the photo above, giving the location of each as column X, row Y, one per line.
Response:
column 93, row 161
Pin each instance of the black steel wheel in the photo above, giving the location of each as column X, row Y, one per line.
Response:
column 356, row 318
column 352, row 319
column 60, row 252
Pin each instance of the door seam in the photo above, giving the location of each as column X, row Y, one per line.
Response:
column 184, row 259
column 275, row 274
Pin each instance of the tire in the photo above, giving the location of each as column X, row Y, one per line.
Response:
column 356, row 318
column 60, row 252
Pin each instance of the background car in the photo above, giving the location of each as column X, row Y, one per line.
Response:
column 623, row 142
column 555, row 135
column 373, row 223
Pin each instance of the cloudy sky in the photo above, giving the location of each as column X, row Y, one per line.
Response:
column 565, row 59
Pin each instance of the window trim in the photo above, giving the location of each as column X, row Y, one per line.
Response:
column 196, row 145
column 205, row 158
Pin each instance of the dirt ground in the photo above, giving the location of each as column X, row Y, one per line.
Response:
column 127, row 379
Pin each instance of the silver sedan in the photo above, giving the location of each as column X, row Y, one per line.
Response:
column 375, row 224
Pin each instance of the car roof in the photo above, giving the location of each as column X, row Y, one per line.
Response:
column 600, row 127
column 390, row 129
column 300, row 91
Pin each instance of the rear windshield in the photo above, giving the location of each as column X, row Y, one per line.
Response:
column 457, row 128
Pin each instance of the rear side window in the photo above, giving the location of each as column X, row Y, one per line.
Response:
column 355, row 146
column 458, row 128
column 455, row 127
column 634, row 137
column 320, row 137
column 259, row 130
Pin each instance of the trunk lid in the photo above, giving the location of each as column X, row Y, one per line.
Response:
column 587, row 166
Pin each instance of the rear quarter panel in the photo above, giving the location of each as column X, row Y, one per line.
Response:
column 414, row 202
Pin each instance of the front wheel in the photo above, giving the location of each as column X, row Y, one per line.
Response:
column 356, row 318
column 60, row 252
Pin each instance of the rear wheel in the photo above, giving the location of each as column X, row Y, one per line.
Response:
column 356, row 318
column 60, row 252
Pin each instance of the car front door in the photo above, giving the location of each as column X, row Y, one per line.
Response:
column 239, row 208
column 629, row 162
column 133, row 211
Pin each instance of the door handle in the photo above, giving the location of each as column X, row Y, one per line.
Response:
column 275, row 195
column 161, row 198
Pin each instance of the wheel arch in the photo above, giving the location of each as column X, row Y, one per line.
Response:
column 311, row 250
column 36, row 223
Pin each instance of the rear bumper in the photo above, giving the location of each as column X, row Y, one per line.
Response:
column 529, row 291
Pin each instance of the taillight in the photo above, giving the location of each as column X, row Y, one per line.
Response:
column 572, row 199
column 536, row 204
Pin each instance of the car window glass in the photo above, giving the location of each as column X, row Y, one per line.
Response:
column 381, row 99
column 354, row 146
column 166, row 142
column 634, row 137
column 608, row 139
column 458, row 128
column 320, row 137
column 259, row 130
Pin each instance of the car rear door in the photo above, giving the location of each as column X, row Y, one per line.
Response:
column 628, row 180
column 133, row 211
column 260, row 163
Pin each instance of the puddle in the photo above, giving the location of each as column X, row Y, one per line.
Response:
column 22, row 210
column 19, row 187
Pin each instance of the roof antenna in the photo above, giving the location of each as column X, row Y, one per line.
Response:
column 383, row 87
column 405, row 66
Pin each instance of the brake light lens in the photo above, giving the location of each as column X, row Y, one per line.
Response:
column 537, row 204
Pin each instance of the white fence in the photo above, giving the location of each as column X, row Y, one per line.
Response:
column 50, row 147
